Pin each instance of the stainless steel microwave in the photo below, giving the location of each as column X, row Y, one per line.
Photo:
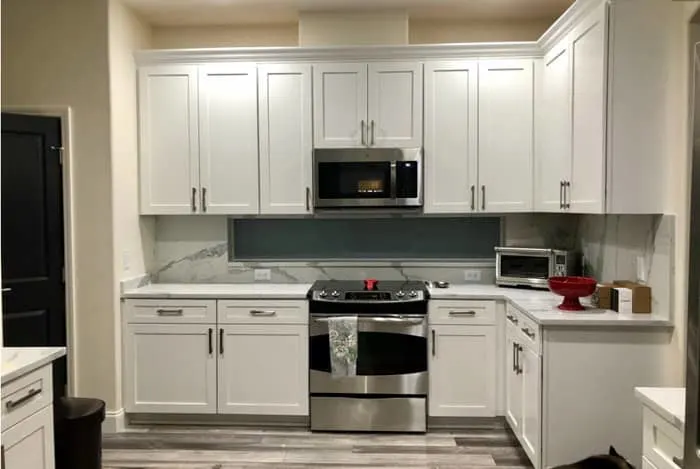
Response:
column 531, row 267
column 368, row 177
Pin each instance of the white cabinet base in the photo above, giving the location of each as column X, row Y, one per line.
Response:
column 29, row 443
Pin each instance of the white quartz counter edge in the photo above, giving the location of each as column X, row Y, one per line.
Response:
column 669, row 403
column 18, row 361
column 540, row 306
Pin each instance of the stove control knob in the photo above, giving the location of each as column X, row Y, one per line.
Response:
column 400, row 294
column 413, row 293
column 323, row 293
column 335, row 293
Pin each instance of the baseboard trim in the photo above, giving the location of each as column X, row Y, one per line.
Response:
column 114, row 421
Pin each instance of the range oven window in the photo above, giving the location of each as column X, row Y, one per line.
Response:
column 369, row 180
column 378, row 353
column 525, row 267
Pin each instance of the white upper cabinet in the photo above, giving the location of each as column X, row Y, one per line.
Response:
column 506, row 135
column 451, row 126
column 340, row 105
column 553, row 162
column 586, row 191
column 395, row 105
column 228, row 139
column 285, row 139
column 168, row 132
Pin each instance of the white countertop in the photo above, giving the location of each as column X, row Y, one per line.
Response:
column 539, row 305
column 253, row 291
column 18, row 361
column 669, row 403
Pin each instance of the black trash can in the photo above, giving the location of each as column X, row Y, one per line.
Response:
column 79, row 433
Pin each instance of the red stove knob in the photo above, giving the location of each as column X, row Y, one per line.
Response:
column 371, row 284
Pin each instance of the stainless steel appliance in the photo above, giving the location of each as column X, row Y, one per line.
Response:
column 389, row 391
column 371, row 177
column 531, row 267
column 691, row 453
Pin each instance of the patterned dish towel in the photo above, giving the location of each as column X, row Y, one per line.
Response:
column 342, row 338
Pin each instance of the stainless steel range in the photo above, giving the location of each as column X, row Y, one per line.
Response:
column 389, row 389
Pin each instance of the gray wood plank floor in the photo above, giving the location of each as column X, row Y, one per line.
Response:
column 481, row 446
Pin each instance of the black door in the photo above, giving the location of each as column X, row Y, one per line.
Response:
column 34, row 311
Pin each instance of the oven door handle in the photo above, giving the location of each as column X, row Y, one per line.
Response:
column 389, row 319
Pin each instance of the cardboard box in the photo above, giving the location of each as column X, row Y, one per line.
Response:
column 631, row 297
column 602, row 298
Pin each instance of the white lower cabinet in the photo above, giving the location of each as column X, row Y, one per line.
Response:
column 29, row 444
column 513, row 382
column 170, row 368
column 531, row 373
column 462, row 371
column 263, row 369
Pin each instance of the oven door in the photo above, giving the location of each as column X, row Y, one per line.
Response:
column 386, row 177
column 392, row 357
column 524, row 267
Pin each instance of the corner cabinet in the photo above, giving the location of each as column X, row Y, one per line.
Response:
column 359, row 105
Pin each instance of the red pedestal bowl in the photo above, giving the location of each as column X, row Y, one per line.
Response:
column 572, row 288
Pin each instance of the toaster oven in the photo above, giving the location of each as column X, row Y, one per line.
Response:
column 531, row 267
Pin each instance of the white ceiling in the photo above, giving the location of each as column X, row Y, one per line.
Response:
column 231, row 12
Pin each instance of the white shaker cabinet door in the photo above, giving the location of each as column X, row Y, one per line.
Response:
column 264, row 369
column 395, row 104
column 553, row 158
column 588, row 54
column 285, row 139
column 228, row 135
column 462, row 371
column 451, row 132
column 514, row 387
column 168, row 139
column 506, row 135
column 29, row 443
column 530, row 364
column 170, row 368
column 340, row 105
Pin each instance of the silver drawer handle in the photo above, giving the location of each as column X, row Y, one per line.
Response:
column 528, row 332
column 170, row 312
column 258, row 312
column 463, row 313
column 11, row 405
column 512, row 319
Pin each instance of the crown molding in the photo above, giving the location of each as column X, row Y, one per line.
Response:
column 335, row 54
column 566, row 22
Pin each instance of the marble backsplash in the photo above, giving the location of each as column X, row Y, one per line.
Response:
column 195, row 250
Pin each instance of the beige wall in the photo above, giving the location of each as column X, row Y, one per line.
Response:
column 441, row 32
column 134, row 236
column 345, row 29
column 224, row 36
column 55, row 54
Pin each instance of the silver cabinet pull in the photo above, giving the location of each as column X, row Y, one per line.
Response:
column 362, row 131
column 483, row 197
column 512, row 319
column 11, row 405
column 520, row 365
column 567, row 196
column 561, row 194
column 204, row 199
column 434, row 346
column 515, row 358
column 469, row 314
column 170, row 312
column 194, row 199
column 211, row 343
column 472, row 191
column 528, row 332
column 677, row 461
column 259, row 312
column 372, row 134
column 221, row 341
column 308, row 199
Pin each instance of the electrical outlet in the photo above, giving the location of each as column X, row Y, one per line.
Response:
column 641, row 269
column 262, row 274
column 472, row 275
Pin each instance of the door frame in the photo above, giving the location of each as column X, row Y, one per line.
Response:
column 64, row 114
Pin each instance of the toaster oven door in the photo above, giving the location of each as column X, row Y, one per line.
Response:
column 523, row 269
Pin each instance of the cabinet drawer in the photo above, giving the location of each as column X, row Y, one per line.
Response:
column 263, row 312
column 661, row 441
column 528, row 330
column 462, row 312
column 163, row 311
column 25, row 396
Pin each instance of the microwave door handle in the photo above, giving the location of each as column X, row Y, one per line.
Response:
column 393, row 180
